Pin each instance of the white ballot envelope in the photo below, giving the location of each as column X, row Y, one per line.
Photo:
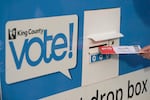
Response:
column 134, row 49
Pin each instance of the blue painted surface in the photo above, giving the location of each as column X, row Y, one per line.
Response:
column 135, row 25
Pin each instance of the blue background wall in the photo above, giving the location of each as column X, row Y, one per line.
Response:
column 135, row 25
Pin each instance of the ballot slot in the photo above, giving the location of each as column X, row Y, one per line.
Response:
column 97, row 46
column 94, row 49
column 97, row 40
column 94, row 53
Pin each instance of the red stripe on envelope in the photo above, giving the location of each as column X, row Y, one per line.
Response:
column 106, row 50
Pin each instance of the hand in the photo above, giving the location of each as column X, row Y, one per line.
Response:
column 145, row 52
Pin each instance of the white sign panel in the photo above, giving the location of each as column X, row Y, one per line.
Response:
column 38, row 47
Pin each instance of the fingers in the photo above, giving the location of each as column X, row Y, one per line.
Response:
column 146, row 55
column 145, row 52
column 145, row 49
